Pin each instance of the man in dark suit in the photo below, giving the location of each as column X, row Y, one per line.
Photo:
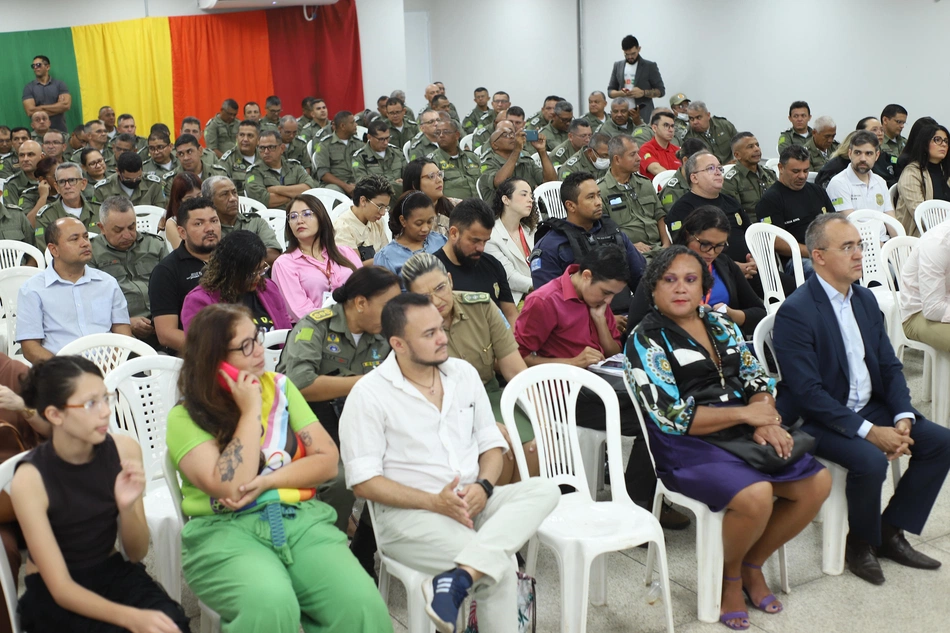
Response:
column 636, row 78
column 840, row 374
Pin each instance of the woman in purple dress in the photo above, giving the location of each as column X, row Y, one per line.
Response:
column 693, row 375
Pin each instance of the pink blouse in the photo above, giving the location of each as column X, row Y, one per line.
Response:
column 303, row 280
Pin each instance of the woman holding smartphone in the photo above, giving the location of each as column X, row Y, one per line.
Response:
column 259, row 549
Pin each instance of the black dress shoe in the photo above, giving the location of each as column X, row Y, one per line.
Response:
column 900, row 551
column 863, row 563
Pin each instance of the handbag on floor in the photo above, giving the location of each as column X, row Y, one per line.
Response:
column 527, row 607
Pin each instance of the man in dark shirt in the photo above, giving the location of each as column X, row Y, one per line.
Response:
column 705, row 183
column 47, row 94
column 178, row 274
column 473, row 270
column 792, row 203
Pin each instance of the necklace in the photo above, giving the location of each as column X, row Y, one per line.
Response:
column 431, row 387
column 718, row 360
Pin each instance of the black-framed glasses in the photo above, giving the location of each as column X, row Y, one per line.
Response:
column 37, row 65
column 68, row 182
column 247, row 345
column 384, row 139
column 940, row 140
column 157, row 148
column 267, row 148
column 710, row 247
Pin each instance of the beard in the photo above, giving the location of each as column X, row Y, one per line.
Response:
column 466, row 261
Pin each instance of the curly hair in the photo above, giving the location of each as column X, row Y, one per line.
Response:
column 233, row 264
column 662, row 262
column 506, row 190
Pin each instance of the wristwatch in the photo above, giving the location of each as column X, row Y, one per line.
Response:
column 484, row 483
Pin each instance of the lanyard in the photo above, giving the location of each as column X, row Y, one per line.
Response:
column 709, row 294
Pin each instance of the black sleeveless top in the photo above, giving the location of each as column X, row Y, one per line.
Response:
column 82, row 509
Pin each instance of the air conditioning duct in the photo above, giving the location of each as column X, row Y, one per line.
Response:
column 230, row 5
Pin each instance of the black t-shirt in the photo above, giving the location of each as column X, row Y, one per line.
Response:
column 172, row 279
column 738, row 220
column 941, row 191
column 488, row 275
column 793, row 210
column 259, row 313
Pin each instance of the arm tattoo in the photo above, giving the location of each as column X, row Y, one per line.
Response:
column 230, row 459
column 307, row 440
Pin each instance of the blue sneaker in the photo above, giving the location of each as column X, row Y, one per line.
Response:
column 444, row 595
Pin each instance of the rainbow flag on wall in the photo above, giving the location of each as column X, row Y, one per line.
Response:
column 164, row 69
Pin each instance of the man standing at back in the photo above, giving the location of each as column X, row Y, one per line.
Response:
column 47, row 94
column 636, row 78
column 222, row 130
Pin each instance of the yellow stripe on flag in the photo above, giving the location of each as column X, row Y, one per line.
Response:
column 126, row 65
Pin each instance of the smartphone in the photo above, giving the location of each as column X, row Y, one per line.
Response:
column 231, row 371
column 531, row 135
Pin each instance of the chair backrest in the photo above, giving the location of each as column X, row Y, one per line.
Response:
column 273, row 346
column 772, row 164
column 361, row 132
column 764, row 349
column 643, row 423
column 870, row 224
column 147, row 389
column 893, row 256
column 892, row 192
column 108, row 350
column 760, row 238
column 10, row 281
column 12, row 252
column 147, row 217
column 276, row 219
column 330, row 199
column 247, row 205
column 548, row 395
column 313, row 157
column 930, row 213
column 3, row 183
column 812, row 175
column 660, row 180
column 405, row 149
column 466, row 142
column 174, row 486
column 7, row 575
column 478, row 189
column 549, row 193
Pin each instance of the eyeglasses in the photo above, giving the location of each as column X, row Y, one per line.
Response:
column 247, row 345
column 500, row 101
column 68, row 182
column 96, row 163
column 379, row 208
column 293, row 216
column 443, row 133
column 430, row 122
column 268, row 148
column 37, row 65
column 940, row 140
column 847, row 249
column 92, row 404
column 441, row 289
column 712, row 169
column 157, row 148
column 257, row 274
column 709, row 247
column 436, row 175
column 385, row 139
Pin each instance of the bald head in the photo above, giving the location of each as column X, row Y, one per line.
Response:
column 431, row 91
column 29, row 154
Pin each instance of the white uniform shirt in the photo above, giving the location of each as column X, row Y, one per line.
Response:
column 925, row 279
column 849, row 193
column 388, row 428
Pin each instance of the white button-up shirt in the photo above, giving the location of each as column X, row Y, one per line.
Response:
column 860, row 378
column 388, row 428
column 849, row 193
column 925, row 279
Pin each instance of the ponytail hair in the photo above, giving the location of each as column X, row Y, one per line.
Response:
column 369, row 281
column 52, row 382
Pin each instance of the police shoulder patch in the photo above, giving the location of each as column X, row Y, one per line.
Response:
column 321, row 315
column 100, row 183
column 672, row 181
column 571, row 160
column 292, row 161
column 475, row 297
column 227, row 154
column 152, row 177
column 41, row 211
column 730, row 174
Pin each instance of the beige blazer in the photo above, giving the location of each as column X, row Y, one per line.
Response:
column 913, row 188
column 509, row 253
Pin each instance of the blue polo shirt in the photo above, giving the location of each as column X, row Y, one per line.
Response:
column 556, row 256
column 56, row 312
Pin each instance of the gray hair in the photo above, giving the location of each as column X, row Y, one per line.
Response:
column 697, row 106
column 286, row 119
column 68, row 165
column 690, row 167
column 117, row 204
column 207, row 187
column 618, row 145
column 597, row 92
column 598, row 139
column 398, row 94
column 563, row 106
column 451, row 123
column 620, row 100
column 273, row 133
column 823, row 123
column 419, row 265
column 815, row 234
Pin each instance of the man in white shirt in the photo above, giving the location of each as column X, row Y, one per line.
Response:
column 925, row 289
column 857, row 187
column 419, row 440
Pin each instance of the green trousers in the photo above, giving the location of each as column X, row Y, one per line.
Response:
column 277, row 570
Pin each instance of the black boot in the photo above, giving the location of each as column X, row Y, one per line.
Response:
column 363, row 545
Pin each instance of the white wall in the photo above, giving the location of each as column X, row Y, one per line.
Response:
column 382, row 46
column 749, row 59
column 527, row 48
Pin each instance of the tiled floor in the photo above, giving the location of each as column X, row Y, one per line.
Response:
column 910, row 600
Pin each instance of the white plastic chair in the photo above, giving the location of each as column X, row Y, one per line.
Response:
column 411, row 579
column 550, row 194
column 148, row 389
column 727, row 169
column 361, row 132
column 772, row 164
column 248, row 205
column 313, row 157
column 108, row 350
column 660, row 180
column 3, row 182
column 11, row 279
column 467, row 141
column 276, row 219
column 405, row 149
column 8, row 575
column 330, row 199
column 478, row 189
column 895, row 252
column 760, row 238
column 210, row 621
column 580, row 530
column 930, row 213
column 709, row 550
column 812, row 175
column 12, row 252
column 870, row 224
column 272, row 340
column 892, row 192
column 147, row 217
